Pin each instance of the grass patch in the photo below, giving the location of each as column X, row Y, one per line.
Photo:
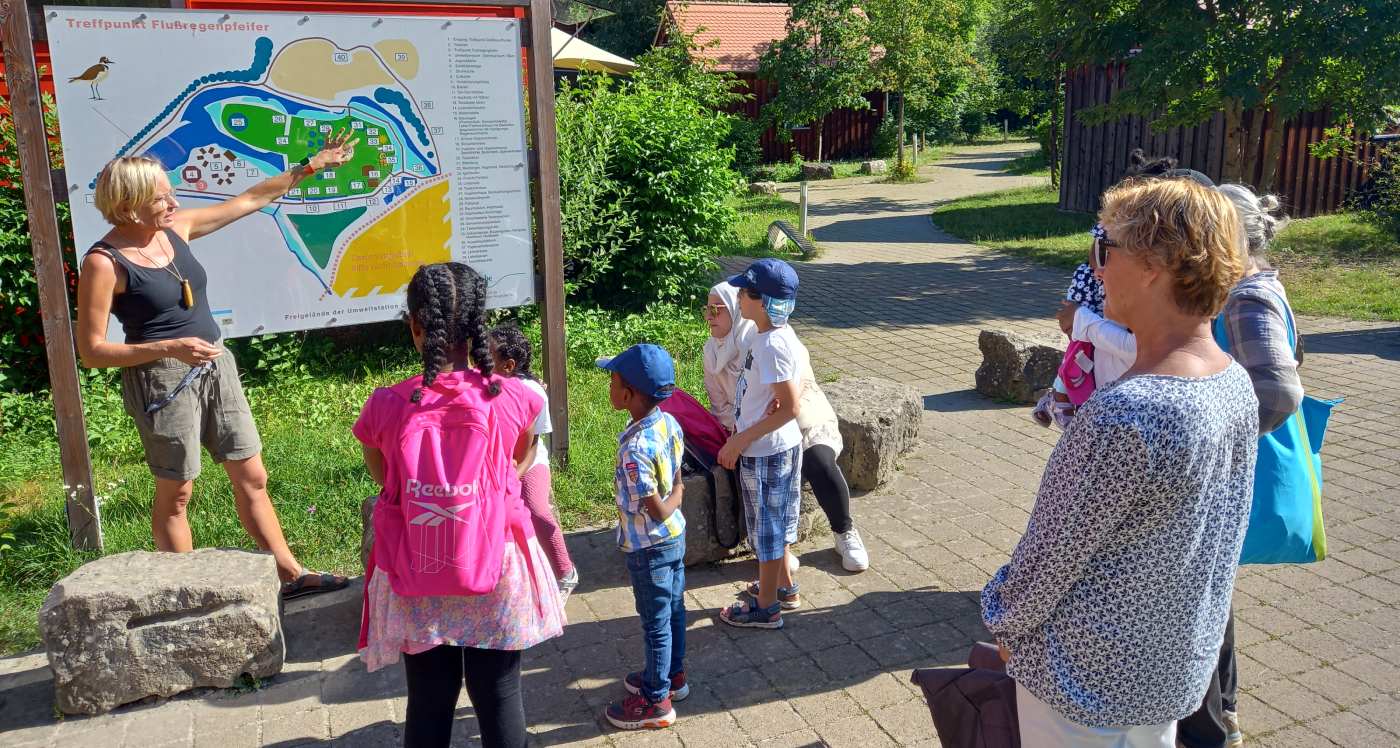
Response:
column 756, row 213
column 1030, row 165
column 1024, row 221
column 1338, row 265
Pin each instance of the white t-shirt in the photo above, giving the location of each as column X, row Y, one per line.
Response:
column 542, row 423
column 772, row 358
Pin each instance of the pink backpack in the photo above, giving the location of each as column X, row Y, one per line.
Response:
column 449, row 491
column 1077, row 371
column 702, row 430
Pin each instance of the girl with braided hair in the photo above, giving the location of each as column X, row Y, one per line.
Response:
column 460, row 600
column 512, row 353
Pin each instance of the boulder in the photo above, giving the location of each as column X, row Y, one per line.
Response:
column 811, row 170
column 701, row 513
column 1016, row 367
column 139, row 624
column 765, row 174
column 879, row 421
column 763, row 188
column 872, row 167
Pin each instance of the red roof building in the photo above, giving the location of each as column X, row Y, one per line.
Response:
column 734, row 36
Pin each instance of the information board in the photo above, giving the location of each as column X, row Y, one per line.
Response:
column 227, row 99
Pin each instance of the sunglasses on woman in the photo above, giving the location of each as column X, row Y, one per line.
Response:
column 1101, row 247
column 714, row 310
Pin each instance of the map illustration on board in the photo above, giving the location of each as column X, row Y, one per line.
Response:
column 226, row 137
column 344, row 242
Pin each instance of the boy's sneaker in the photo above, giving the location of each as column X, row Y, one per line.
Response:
column 852, row 550
column 750, row 616
column 788, row 597
column 679, row 688
column 567, row 583
column 636, row 713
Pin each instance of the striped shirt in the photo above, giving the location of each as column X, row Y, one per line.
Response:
column 648, row 457
column 1256, row 325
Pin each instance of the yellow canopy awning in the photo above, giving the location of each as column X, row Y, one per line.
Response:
column 572, row 53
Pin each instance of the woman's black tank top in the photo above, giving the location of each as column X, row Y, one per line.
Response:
column 149, row 309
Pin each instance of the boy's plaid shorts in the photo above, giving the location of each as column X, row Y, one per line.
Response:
column 772, row 489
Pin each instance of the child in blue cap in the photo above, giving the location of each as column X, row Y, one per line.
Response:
column 651, row 531
column 767, row 443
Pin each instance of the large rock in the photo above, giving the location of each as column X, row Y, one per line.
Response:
column 701, row 514
column 872, row 167
column 141, row 624
column 763, row 188
column 813, row 170
column 1015, row 367
column 879, row 422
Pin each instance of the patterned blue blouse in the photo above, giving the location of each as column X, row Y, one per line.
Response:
column 1115, row 601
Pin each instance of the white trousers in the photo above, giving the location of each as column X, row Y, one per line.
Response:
column 1043, row 727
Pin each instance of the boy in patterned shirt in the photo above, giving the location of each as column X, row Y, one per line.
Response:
column 651, row 531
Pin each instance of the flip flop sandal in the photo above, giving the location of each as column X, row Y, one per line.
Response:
column 299, row 588
column 750, row 616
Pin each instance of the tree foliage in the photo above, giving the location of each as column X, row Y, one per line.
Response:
column 1246, row 58
column 23, row 363
column 915, row 41
column 822, row 64
column 644, row 187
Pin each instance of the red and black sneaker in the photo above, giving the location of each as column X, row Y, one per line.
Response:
column 636, row 713
column 679, row 689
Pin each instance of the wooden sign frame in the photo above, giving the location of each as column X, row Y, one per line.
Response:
column 84, row 520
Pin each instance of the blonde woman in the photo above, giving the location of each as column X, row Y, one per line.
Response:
column 179, row 384
column 1113, row 606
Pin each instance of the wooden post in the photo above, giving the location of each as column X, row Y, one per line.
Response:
column 802, row 211
column 549, row 240
column 84, row 523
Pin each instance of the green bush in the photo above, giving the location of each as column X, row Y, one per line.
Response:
column 23, row 366
column 886, row 137
column 650, row 209
column 1383, row 204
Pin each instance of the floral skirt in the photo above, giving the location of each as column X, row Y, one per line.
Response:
column 523, row 610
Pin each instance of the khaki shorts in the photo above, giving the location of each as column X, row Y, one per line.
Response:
column 211, row 411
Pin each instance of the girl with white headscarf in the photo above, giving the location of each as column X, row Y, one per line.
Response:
column 730, row 335
column 728, row 344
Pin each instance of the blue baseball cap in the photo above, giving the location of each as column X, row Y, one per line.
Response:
column 770, row 277
column 647, row 368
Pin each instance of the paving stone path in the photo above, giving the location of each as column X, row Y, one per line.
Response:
column 892, row 296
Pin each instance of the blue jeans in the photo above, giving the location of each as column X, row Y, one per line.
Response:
column 658, row 584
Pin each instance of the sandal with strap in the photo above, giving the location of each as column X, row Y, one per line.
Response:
column 325, row 583
column 750, row 616
column 787, row 596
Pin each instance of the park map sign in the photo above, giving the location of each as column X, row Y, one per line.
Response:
column 225, row 100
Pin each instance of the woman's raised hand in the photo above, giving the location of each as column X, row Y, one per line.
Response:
column 339, row 149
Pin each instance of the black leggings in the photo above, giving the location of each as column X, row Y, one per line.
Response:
column 493, row 683
column 1206, row 728
column 829, row 485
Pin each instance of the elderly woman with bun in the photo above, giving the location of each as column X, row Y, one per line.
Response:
column 1255, row 328
column 1113, row 606
column 179, row 384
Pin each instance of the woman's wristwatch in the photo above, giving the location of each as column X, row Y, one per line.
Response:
column 306, row 168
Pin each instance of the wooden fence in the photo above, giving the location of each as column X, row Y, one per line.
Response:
column 1097, row 155
column 847, row 133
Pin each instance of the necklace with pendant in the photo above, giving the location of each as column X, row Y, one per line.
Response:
column 186, row 291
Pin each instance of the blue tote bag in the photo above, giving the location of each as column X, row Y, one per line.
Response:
column 1285, row 519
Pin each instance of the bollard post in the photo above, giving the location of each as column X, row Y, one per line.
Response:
column 1005, row 130
column 802, row 210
